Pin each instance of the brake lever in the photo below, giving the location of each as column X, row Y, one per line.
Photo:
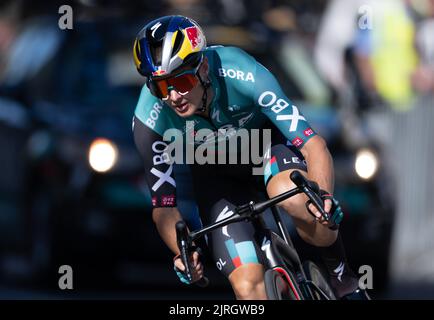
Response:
column 311, row 189
column 184, row 244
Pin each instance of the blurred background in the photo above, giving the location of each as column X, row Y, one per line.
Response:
column 72, row 189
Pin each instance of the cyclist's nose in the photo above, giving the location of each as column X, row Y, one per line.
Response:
column 174, row 95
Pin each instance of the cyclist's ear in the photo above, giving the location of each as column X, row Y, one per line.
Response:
column 204, row 68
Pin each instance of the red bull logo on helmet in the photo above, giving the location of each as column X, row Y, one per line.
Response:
column 194, row 36
column 158, row 73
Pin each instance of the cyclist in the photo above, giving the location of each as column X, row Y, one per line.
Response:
column 218, row 88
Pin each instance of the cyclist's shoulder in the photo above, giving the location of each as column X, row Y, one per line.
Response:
column 145, row 103
column 233, row 69
column 229, row 56
column 227, row 51
column 151, row 111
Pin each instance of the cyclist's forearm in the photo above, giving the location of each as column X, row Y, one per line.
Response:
column 319, row 164
column 165, row 220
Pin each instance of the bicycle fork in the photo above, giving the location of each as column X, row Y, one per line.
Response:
column 274, row 261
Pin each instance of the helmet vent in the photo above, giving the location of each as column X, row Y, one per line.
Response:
column 178, row 42
column 156, row 52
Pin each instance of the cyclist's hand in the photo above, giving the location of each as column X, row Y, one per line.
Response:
column 331, row 206
column 196, row 271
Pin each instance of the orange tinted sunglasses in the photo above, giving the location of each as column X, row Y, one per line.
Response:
column 182, row 83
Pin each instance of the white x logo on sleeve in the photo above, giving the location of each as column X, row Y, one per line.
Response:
column 162, row 178
column 294, row 117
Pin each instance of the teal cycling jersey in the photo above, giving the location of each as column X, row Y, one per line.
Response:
column 246, row 95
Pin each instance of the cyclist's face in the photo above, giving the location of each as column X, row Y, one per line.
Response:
column 187, row 104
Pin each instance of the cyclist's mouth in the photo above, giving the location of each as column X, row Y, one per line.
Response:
column 182, row 107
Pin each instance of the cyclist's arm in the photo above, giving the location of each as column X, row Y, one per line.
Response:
column 161, row 181
column 288, row 118
column 285, row 115
column 165, row 220
column 319, row 163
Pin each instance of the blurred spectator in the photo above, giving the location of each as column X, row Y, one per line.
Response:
column 412, row 255
column 392, row 55
column 423, row 76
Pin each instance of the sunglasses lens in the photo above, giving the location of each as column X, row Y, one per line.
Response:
column 158, row 88
column 184, row 83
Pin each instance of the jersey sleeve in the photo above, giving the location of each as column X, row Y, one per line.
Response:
column 286, row 116
column 159, row 173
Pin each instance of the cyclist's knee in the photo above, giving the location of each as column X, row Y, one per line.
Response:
column 294, row 206
column 248, row 290
column 248, row 282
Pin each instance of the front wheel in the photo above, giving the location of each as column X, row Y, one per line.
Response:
column 314, row 274
column 280, row 284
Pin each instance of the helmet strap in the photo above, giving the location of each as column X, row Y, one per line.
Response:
column 205, row 84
